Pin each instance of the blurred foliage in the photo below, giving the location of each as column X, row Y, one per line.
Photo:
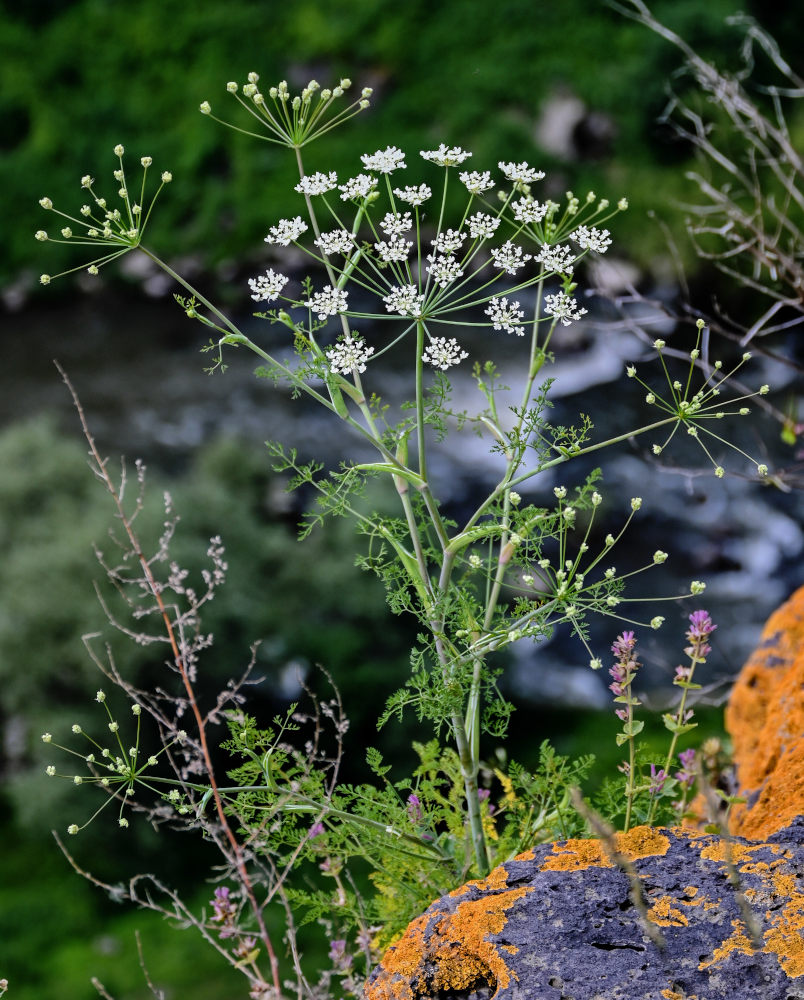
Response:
column 307, row 602
column 77, row 78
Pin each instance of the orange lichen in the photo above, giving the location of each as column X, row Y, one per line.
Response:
column 457, row 946
column 575, row 855
column 765, row 717
column 722, row 850
column 786, row 935
column 738, row 941
column 665, row 914
column 694, row 898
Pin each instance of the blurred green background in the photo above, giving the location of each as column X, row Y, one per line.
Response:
column 77, row 78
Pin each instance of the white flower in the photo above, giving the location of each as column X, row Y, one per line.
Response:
column 413, row 195
column 445, row 157
column 563, row 307
column 504, row 316
column 482, row 225
column 356, row 188
column 286, row 231
column 509, row 257
column 448, row 242
column 556, row 258
column 337, row 241
column 404, row 300
column 395, row 224
column 476, row 182
column 328, row 302
column 520, row 173
column 349, row 355
column 592, row 239
column 384, row 161
column 444, row 270
column 50, row 770
column 528, row 210
column 393, row 250
column 266, row 287
column 441, row 353
column 317, row 183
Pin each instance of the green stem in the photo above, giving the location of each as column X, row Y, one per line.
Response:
column 420, row 399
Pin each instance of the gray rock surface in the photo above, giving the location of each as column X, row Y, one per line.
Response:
column 561, row 923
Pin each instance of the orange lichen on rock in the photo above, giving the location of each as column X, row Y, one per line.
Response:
column 494, row 881
column 737, row 941
column 665, row 914
column 786, row 935
column 765, row 717
column 574, row 855
column 457, row 949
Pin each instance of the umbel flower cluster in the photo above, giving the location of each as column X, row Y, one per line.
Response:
column 393, row 241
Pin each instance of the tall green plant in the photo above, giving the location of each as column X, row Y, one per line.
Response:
column 403, row 269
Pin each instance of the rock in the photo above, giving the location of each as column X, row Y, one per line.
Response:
column 663, row 914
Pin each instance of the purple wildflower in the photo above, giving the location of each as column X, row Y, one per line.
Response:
column 657, row 779
column 700, row 628
column 316, row 830
column 414, row 809
column 686, row 776
column 225, row 912
column 338, row 956
column 623, row 671
column 222, row 905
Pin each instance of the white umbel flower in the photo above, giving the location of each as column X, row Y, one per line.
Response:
column 357, row 188
column 520, row 173
column 448, row 242
column 396, row 224
column 506, row 316
column 336, row 241
column 482, row 226
column 349, row 355
column 413, row 195
column 266, row 287
column 444, row 156
column 563, row 307
column 405, row 300
column 590, row 238
column 442, row 353
column 328, row 302
column 556, row 258
column 286, row 231
column 393, row 250
column 476, row 181
column 444, row 270
column 317, row 183
column 527, row 210
column 384, row 161
column 509, row 257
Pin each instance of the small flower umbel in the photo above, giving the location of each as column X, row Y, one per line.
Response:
column 115, row 229
column 290, row 120
column 694, row 410
column 116, row 771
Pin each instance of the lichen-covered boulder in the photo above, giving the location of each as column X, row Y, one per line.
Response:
column 558, row 923
column 765, row 718
column 718, row 918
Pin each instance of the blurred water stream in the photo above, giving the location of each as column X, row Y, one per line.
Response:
column 135, row 365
